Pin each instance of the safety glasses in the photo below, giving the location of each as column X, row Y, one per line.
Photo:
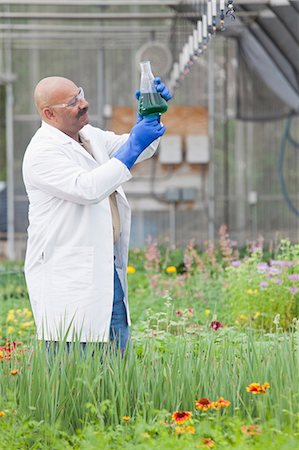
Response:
column 72, row 103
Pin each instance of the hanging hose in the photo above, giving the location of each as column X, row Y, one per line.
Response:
column 285, row 139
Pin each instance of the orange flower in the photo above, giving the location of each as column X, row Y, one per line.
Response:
column 126, row 418
column 14, row 372
column 2, row 414
column 180, row 417
column 257, row 388
column 208, row 442
column 203, row 404
column 221, row 403
column 251, row 430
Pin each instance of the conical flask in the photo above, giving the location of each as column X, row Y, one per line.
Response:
column 151, row 103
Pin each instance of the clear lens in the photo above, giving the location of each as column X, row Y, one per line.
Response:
column 77, row 99
column 73, row 103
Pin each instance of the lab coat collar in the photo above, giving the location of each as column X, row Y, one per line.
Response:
column 55, row 133
column 63, row 138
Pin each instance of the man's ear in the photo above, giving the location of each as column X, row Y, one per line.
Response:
column 48, row 113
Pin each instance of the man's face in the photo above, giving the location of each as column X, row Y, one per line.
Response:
column 69, row 110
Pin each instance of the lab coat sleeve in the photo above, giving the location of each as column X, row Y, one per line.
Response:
column 53, row 172
column 114, row 142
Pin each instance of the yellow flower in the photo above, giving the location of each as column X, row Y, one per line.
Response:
column 14, row 372
column 2, row 414
column 126, row 418
column 131, row 269
column 171, row 269
column 10, row 315
column 26, row 325
column 242, row 317
column 257, row 314
column 252, row 291
column 27, row 312
column 207, row 312
column 185, row 429
column 10, row 330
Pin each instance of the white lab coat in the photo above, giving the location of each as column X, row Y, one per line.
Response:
column 69, row 262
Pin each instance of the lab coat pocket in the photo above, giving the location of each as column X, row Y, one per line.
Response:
column 72, row 270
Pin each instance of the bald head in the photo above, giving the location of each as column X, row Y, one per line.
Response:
column 53, row 90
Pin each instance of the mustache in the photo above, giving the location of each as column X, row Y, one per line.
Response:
column 82, row 112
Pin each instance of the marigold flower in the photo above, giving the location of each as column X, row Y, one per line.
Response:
column 126, row 418
column 251, row 430
column 171, row 269
column 203, row 404
column 221, row 403
column 181, row 416
column 208, row 442
column 14, row 372
column 257, row 388
column 2, row 414
column 131, row 269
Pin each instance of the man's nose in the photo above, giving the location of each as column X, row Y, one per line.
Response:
column 83, row 103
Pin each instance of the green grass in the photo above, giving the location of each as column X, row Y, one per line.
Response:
column 79, row 400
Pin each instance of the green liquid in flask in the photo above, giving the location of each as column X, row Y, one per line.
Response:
column 151, row 104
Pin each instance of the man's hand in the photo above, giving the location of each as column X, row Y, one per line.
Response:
column 142, row 135
column 162, row 89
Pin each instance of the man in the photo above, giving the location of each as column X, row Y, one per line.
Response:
column 79, row 218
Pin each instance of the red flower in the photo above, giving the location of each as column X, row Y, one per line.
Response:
column 203, row 404
column 251, row 430
column 257, row 388
column 7, row 350
column 181, row 416
column 215, row 325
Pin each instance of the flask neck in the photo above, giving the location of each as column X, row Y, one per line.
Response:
column 147, row 78
column 146, row 69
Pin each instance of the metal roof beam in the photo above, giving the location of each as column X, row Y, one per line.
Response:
column 92, row 16
column 92, row 2
column 86, row 28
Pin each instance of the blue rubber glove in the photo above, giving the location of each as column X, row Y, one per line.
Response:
column 142, row 135
column 162, row 89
